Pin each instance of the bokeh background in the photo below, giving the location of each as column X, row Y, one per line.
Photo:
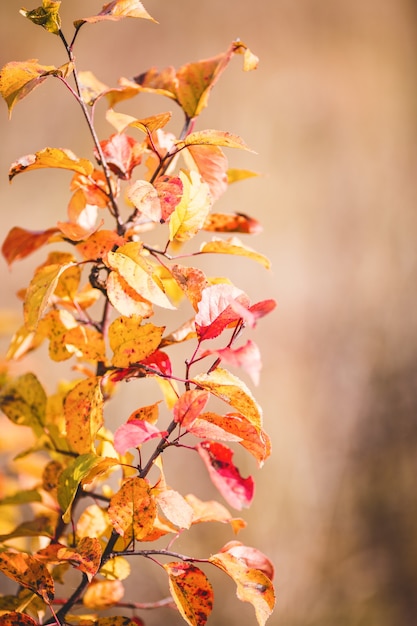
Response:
column 332, row 115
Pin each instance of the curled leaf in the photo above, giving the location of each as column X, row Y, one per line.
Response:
column 117, row 10
column 51, row 157
column 46, row 16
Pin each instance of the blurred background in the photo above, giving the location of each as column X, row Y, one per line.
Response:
column 332, row 115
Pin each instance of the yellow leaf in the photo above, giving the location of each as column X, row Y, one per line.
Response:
column 103, row 594
column 51, row 157
column 234, row 175
column 93, row 522
column 132, row 342
column 54, row 325
column 138, row 273
column 23, row 400
column 125, row 299
column 212, row 138
column 91, row 87
column 19, row 78
column 191, row 591
column 28, row 572
column 83, row 410
column 252, row 585
column 117, row 10
column 235, row 247
column 39, row 292
column 87, row 343
column 133, row 508
column 117, row 568
column 232, row 390
column 191, row 212
column 86, row 556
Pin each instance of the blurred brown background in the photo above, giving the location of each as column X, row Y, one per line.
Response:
column 332, row 114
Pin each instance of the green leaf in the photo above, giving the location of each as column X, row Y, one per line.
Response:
column 70, row 480
column 22, row 497
column 46, row 16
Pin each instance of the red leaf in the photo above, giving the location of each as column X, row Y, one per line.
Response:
column 122, row 153
column 237, row 491
column 134, row 433
column 220, row 305
column 252, row 557
column 158, row 361
column 260, row 309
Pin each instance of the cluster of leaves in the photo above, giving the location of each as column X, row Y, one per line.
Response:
column 126, row 280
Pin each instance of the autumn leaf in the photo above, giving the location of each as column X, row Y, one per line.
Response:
column 121, row 121
column 133, row 508
column 232, row 223
column 134, row 433
column 54, row 325
column 252, row 585
column 233, row 427
column 191, row 84
column 189, row 405
column 235, row 175
column 248, row 357
column 41, row 526
column 83, row 410
column 174, row 507
column 103, row 594
column 211, row 163
column 117, row 10
column 217, row 309
column 46, row 16
column 212, row 138
column 191, row 591
column 190, row 214
column 86, row 556
column 27, row 571
column 20, row 242
column 252, row 557
column 237, row 491
column 138, row 273
column 70, row 480
column 51, row 157
column 192, row 281
column 144, row 198
column 23, row 401
column 212, row 511
column 15, row 618
column 169, row 190
column 19, row 78
column 122, row 154
column 233, row 391
column 125, row 299
column 234, row 246
column 131, row 342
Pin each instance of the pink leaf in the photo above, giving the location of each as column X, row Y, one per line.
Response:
column 237, row 491
column 170, row 189
column 134, row 433
column 247, row 357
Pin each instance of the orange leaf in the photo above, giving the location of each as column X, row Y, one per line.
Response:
column 27, row 571
column 87, row 343
column 132, row 342
column 86, row 556
column 192, row 281
column 232, row 390
column 232, row 223
column 189, row 405
column 98, row 244
column 83, row 410
column 133, row 508
column 252, row 585
column 122, row 154
column 191, row 591
column 211, row 162
column 14, row 618
column 19, row 243
column 211, row 511
column 51, row 157
column 117, row 10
